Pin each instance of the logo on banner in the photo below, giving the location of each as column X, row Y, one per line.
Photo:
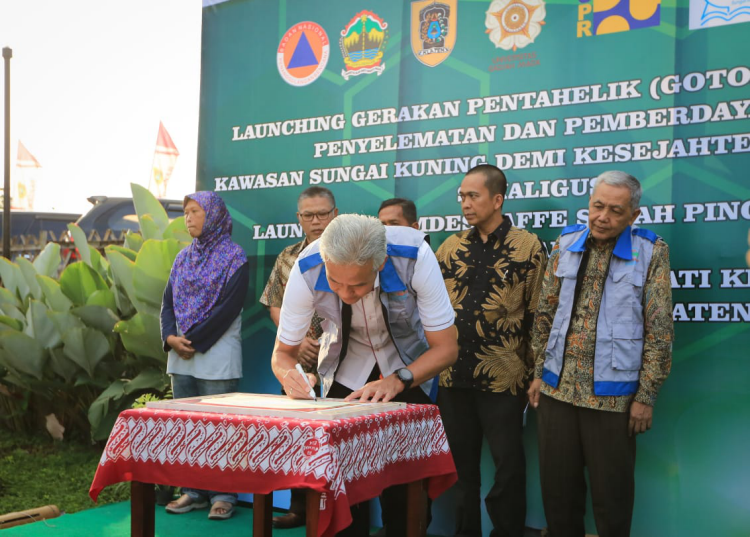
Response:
column 514, row 24
column 433, row 30
column 362, row 44
column 597, row 17
column 303, row 54
column 705, row 13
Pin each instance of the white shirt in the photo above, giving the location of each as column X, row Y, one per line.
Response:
column 369, row 340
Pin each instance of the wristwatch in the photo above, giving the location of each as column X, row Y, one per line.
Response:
column 405, row 376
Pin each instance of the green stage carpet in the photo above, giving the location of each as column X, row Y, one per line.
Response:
column 114, row 521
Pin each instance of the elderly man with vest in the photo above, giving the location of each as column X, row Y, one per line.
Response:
column 603, row 347
column 388, row 328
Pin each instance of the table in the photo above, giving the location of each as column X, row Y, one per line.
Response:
column 340, row 462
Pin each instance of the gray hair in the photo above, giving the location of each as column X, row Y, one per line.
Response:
column 317, row 192
column 354, row 239
column 617, row 178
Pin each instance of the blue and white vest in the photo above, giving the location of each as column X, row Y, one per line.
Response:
column 396, row 294
column 619, row 327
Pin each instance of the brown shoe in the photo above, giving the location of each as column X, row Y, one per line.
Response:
column 287, row 521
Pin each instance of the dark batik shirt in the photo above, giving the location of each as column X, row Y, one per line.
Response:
column 494, row 288
column 577, row 377
column 273, row 294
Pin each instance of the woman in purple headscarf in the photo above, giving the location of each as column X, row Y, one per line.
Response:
column 200, row 322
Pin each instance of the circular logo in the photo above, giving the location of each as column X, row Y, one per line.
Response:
column 515, row 18
column 310, row 447
column 303, row 53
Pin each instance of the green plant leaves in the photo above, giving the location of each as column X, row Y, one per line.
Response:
column 11, row 322
column 54, row 296
column 123, row 270
column 99, row 317
column 40, row 327
column 146, row 204
column 152, row 268
column 104, row 298
column 148, row 379
column 13, row 279
column 48, row 261
column 78, row 281
column 141, row 336
column 29, row 276
column 177, row 230
column 149, row 228
column 22, row 353
column 86, row 347
column 133, row 241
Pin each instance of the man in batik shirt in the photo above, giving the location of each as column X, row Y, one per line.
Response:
column 316, row 208
column 493, row 273
column 603, row 346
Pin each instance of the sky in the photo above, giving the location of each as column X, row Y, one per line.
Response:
column 90, row 81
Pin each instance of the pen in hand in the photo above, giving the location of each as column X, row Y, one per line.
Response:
column 307, row 381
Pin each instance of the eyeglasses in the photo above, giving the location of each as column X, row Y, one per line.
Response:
column 322, row 216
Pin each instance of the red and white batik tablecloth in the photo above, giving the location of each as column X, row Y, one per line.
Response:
column 348, row 460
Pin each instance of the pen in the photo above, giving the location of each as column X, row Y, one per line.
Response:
column 307, row 381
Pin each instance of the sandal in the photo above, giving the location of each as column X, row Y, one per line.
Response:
column 185, row 504
column 228, row 511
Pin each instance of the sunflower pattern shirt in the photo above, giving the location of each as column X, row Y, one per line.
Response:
column 494, row 289
column 273, row 294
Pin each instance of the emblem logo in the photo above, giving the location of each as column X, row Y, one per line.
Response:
column 303, row 54
column 433, row 30
column 513, row 24
column 362, row 44
column 707, row 13
column 612, row 16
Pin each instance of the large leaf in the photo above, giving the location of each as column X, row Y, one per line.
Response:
column 53, row 294
column 152, row 268
column 13, row 279
column 100, row 407
column 133, row 241
column 123, row 270
column 127, row 252
column 78, row 281
column 141, row 335
column 48, row 261
column 22, row 353
column 79, row 237
column 99, row 317
column 146, row 204
column 65, row 321
column 148, row 379
column 62, row 365
column 29, row 275
column 86, row 347
column 11, row 311
column 15, row 324
column 8, row 296
column 40, row 326
column 177, row 230
column 149, row 229
column 104, row 298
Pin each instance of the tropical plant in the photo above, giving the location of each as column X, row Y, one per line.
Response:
column 85, row 345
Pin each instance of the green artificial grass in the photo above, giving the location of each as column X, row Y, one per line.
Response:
column 36, row 471
column 114, row 521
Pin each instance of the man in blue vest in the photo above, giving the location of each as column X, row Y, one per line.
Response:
column 603, row 347
column 388, row 327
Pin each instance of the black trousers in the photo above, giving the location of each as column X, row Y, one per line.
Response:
column 468, row 415
column 571, row 438
column 393, row 499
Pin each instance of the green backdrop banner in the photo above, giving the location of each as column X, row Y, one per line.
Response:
column 395, row 98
